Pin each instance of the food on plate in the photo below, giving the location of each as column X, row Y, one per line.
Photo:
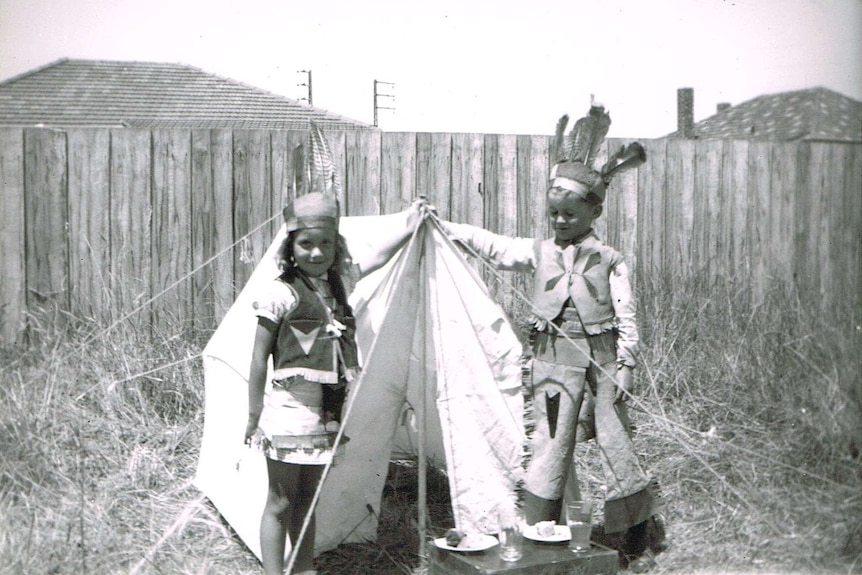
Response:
column 460, row 540
column 471, row 541
column 454, row 537
column 546, row 528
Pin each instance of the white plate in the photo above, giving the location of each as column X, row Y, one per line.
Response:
column 561, row 533
column 481, row 542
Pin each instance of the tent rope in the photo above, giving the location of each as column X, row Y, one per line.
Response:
column 112, row 385
column 629, row 397
column 155, row 297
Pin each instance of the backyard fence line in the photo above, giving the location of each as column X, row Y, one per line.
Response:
column 96, row 221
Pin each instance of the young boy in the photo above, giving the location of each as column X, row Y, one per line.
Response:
column 584, row 331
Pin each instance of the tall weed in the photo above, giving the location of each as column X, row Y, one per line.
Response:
column 747, row 413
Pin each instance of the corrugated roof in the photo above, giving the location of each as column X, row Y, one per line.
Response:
column 811, row 114
column 150, row 95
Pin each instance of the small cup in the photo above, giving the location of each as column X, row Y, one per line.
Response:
column 511, row 535
column 579, row 518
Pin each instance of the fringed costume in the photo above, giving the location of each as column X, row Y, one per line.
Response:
column 584, row 331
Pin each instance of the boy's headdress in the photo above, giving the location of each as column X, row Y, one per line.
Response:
column 575, row 153
column 318, row 178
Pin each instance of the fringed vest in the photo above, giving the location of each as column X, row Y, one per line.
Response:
column 579, row 272
column 308, row 345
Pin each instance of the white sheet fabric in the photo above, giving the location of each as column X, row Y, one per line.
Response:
column 426, row 324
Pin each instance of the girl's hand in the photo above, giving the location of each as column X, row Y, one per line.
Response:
column 416, row 213
column 250, row 430
column 419, row 210
column 625, row 376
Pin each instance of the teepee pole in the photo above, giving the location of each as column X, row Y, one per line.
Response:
column 422, row 465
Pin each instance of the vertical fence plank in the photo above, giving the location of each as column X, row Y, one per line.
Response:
column 171, row 232
column 13, row 300
column 847, row 219
column 678, row 209
column 784, row 181
column 831, row 245
column 434, row 169
column 362, row 151
column 252, row 201
column 707, row 193
column 538, row 170
column 89, row 222
column 468, row 160
column 802, row 224
column 826, row 187
column 737, row 172
column 285, row 178
column 212, row 226
column 204, row 246
column 501, row 199
column 338, row 147
column 723, row 226
column 759, row 215
column 811, row 205
column 397, row 170
column 131, row 213
column 652, row 189
column 46, row 213
column 620, row 213
column 532, row 171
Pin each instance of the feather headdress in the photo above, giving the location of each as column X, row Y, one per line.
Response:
column 323, row 175
column 574, row 155
column 317, row 205
column 626, row 158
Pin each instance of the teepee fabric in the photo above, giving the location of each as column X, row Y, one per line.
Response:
column 425, row 325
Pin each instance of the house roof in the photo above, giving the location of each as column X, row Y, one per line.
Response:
column 150, row 95
column 812, row 114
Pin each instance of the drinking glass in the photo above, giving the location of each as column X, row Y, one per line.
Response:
column 579, row 518
column 511, row 534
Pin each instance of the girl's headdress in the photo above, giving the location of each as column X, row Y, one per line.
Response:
column 575, row 153
column 319, row 206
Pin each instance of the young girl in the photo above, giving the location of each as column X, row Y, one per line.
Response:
column 306, row 325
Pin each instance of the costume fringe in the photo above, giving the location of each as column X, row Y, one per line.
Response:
column 529, row 424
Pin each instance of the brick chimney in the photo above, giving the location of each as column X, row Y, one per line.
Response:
column 722, row 106
column 685, row 112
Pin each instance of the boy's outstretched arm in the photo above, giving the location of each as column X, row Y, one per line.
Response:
column 504, row 252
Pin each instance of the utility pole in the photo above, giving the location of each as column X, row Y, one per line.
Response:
column 306, row 84
column 378, row 95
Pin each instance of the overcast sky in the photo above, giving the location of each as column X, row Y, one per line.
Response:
column 492, row 66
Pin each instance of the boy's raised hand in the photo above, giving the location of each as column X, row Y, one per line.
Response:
column 419, row 210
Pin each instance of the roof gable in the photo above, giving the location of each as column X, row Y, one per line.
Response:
column 811, row 114
column 150, row 95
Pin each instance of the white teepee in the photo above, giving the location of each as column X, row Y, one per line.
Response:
column 426, row 325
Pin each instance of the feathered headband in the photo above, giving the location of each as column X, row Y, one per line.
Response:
column 318, row 177
column 575, row 153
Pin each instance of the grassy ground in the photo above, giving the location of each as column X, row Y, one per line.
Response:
column 749, row 415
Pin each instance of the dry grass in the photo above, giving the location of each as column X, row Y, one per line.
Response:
column 749, row 416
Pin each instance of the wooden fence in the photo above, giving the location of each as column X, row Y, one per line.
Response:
column 163, row 227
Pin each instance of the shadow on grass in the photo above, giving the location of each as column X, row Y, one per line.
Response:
column 397, row 546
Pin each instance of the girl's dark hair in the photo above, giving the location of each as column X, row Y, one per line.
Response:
column 290, row 271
